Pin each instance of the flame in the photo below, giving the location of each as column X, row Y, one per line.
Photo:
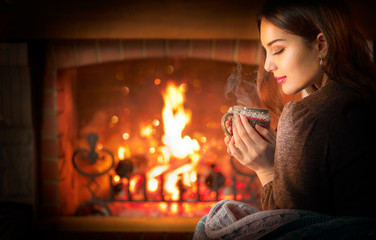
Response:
column 172, row 179
column 178, row 174
column 133, row 182
column 153, row 183
column 123, row 153
column 174, row 208
column 175, row 118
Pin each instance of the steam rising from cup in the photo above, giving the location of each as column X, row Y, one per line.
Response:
column 247, row 102
column 244, row 91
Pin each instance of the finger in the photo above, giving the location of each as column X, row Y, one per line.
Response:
column 268, row 134
column 242, row 125
column 227, row 140
column 232, row 149
column 238, row 155
column 238, row 140
column 250, row 131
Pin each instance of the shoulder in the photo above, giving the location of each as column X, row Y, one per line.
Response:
column 331, row 101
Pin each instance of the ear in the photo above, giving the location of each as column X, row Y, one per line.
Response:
column 322, row 44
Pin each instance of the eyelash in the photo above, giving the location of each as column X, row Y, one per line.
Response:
column 279, row 52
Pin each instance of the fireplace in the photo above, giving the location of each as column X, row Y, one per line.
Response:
column 155, row 125
column 113, row 92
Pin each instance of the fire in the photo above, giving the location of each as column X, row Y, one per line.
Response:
column 133, row 182
column 123, row 153
column 151, row 175
column 182, row 172
column 177, row 159
column 175, row 118
column 174, row 208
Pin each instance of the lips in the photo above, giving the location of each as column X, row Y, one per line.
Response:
column 281, row 80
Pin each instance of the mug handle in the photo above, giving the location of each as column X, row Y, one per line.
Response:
column 223, row 123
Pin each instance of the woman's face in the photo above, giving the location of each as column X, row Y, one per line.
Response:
column 294, row 63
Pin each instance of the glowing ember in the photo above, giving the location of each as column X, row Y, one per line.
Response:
column 123, row 153
column 133, row 182
column 146, row 131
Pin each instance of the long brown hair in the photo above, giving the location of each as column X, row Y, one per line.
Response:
column 348, row 58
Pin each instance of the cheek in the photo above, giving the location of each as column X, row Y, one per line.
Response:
column 291, row 65
column 298, row 61
column 301, row 71
column 309, row 63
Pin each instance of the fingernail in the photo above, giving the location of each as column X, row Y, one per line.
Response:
column 260, row 127
column 236, row 116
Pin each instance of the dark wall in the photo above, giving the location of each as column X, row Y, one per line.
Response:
column 111, row 19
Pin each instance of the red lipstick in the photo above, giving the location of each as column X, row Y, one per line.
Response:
column 281, row 80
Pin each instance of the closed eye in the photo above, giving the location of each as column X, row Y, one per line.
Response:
column 279, row 52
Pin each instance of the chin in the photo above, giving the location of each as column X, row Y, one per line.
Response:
column 291, row 90
column 287, row 90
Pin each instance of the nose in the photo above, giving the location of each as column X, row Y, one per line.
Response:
column 269, row 64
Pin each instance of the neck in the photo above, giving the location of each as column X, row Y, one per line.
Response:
column 321, row 81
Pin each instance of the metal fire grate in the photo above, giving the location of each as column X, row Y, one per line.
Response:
column 215, row 181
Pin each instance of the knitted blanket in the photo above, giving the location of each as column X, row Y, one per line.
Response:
column 238, row 221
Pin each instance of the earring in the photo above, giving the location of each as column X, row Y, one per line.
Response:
column 321, row 62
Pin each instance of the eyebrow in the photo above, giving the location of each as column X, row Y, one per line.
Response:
column 276, row 40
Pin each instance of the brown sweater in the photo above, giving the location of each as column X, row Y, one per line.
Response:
column 325, row 157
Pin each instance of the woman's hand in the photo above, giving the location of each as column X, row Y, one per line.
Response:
column 253, row 148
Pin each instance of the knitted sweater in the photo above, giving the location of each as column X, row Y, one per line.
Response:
column 325, row 157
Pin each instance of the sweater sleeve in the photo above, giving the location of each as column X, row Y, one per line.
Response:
column 299, row 163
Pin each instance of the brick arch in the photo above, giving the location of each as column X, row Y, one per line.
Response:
column 85, row 52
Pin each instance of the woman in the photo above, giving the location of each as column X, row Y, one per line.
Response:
column 322, row 157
